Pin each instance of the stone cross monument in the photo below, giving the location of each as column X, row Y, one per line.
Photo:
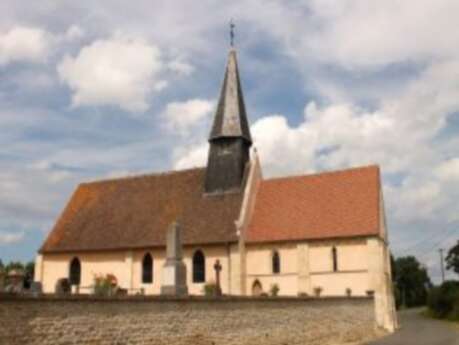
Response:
column 174, row 270
column 218, row 288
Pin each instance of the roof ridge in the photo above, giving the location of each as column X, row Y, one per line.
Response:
column 163, row 173
column 322, row 173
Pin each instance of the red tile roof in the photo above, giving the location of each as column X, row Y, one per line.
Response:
column 135, row 212
column 327, row 205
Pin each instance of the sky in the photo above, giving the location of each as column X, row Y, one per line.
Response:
column 94, row 90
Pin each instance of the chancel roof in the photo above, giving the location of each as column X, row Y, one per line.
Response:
column 135, row 212
column 328, row 205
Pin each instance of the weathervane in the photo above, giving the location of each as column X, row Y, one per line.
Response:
column 232, row 26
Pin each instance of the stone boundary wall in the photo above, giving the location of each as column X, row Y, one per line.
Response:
column 182, row 321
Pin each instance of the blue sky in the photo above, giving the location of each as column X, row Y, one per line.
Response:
column 96, row 90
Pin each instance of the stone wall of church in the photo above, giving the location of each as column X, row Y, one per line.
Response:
column 198, row 321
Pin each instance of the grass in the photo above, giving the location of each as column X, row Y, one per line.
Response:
column 453, row 319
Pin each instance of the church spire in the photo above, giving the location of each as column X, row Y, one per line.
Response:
column 231, row 118
column 230, row 138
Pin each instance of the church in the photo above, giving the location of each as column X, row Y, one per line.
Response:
column 319, row 235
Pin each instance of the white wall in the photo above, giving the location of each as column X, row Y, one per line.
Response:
column 307, row 265
column 127, row 268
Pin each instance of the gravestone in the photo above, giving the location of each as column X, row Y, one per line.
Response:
column 36, row 289
column 174, row 270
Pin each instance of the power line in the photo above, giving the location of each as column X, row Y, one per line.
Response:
column 437, row 244
column 427, row 239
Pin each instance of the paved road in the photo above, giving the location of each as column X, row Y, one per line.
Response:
column 419, row 330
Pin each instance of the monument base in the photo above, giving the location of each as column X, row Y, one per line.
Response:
column 174, row 291
column 174, row 278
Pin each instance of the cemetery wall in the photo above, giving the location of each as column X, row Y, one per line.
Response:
column 197, row 321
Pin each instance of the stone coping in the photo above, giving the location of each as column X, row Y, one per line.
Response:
column 5, row 297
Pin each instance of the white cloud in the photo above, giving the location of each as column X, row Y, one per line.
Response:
column 11, row 238
column 361, row 33
column 448, row 170
column 181, row 67
column 119, row 71
column 24, row 44
column 182, row 116
column 189, row 158
column 74, row 32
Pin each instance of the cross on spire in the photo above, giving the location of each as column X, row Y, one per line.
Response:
column 232, row 26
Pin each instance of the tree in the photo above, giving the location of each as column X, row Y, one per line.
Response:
column 452, row 259
column 411, row 281
column 29, row 270
column 1, row 265
column 14, row 265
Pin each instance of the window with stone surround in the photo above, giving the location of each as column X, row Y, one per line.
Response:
column 276, row 262
column 199, row 267
column 75, row 272
column 147, row 269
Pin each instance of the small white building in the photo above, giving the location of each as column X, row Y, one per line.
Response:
column 322, row 234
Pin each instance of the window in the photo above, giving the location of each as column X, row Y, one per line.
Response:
column 75, row 272
column 276, row 262
column 199, row 267
column 335, row 259
column 147, row 269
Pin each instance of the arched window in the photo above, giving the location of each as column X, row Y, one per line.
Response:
column 75, row 272
column 199, row 267
column 276, row 262
column 147, row 269
column 335, row 259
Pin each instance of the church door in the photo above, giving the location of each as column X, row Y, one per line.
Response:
column 257, row 289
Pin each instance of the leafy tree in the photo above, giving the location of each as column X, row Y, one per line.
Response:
column 443, row 300
column 14, row 265
column 452, row 259
column 1, row 265
column 411, row 281
column 29, row 270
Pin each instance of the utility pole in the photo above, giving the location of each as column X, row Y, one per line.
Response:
column 442, row 266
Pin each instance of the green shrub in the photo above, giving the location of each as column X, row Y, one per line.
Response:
column 274, row 290
column 63, row 287
column 105, row 285
column 443, row 301
column 210, row 289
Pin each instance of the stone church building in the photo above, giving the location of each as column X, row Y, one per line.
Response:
column 322, row 234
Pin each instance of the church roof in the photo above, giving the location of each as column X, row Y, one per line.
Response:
column 135, row 212
column 230, row 118
column 327, row 205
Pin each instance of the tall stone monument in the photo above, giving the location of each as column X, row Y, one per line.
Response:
column 174, row 270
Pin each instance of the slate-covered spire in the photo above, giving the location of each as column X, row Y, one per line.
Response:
column 231, row 118
column 230, row 138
